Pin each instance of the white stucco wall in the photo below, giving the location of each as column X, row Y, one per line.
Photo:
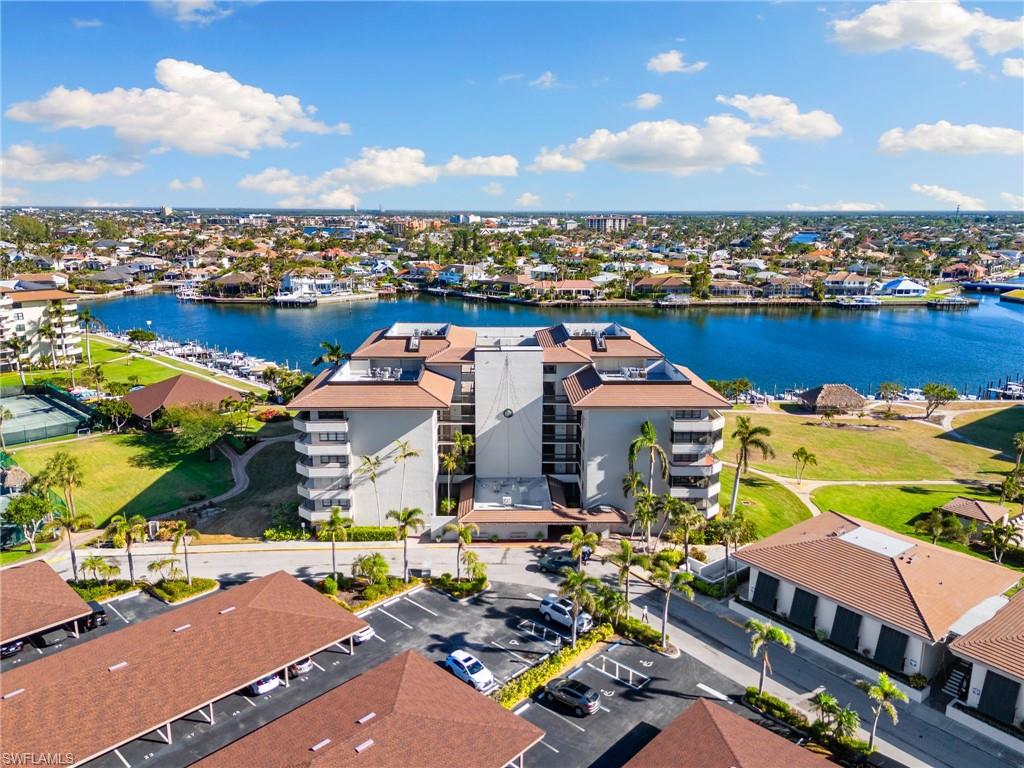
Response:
column 978, row 673
column 509, row 377
column 607, row 433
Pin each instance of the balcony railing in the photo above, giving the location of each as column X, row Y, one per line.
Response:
column 696, row 438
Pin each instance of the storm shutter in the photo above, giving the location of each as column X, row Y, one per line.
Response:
column 845, row 628
column 802, row 611
column 764, row 592
column 891, row 648
column 998, row 697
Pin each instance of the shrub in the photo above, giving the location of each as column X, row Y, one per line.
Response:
column 698, row 554
column 176, row 590
column 530, row 681
column 271, row 414
column 285, row 534
column 95, row 589
column 918, row 681
column 634, row 629
column 671, row 557
column 459, row 589
column 777, row 708
column 329, row 586
column 712, row 590
column 371, row 533
column 375, row 593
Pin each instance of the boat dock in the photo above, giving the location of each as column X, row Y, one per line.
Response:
column 982, row 286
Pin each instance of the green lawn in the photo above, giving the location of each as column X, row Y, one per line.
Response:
column 22, row 551
column 133, row 474
column 899, row 450
column 992, row 429
column 272, row 481
column 770, row 506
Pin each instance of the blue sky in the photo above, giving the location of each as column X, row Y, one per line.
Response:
column 579, row 106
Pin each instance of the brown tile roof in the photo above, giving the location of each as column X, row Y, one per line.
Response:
column 35, row 598
column 922, row 590
column 431, row 391
column 177, row 662
column 559, row 514
column 47, row 294
column 975, row 509
column 378, row 345
column 421, row 716
column 585, row 389
column 710, row 736
column 182, row 389
column 999, row 642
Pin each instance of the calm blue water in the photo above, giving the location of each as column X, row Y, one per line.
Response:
column 805, row 237
column 773, row 348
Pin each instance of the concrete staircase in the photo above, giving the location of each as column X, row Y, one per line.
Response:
column 957, row 680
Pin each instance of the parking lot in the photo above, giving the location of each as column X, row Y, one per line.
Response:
column 120, row 613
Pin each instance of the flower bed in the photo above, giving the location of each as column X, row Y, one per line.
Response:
column 177, row 590
column 95, row 589
column 530, row 681
column 459, row 589
column 775, row 708
column 348, row 594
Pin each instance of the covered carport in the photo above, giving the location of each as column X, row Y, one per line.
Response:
column 36, row 599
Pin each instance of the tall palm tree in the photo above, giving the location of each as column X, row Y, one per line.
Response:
column 125, row 531
column 450, row 463
column 402, row 453
column 181, row 532
column 647, row 441
column 579, row 589
column 645, row 513
column 408, row 520
column 667, row 579
column 47, row 332
column 688, row 520
column 369, row 467
column 762, row 634
column 67, row 522
column 883, row 692
column 5, row 413
column 336, row 527
column 88, row 320
column 803, row 457
column 577, row 540
column 65, row 471
column 623, row 560
column 331, row 353
column 17, row 347
column 749, row 438
column 464, row 533
column 1001, row 537
column 611, row 604
column 825, row 705
column 672, row 511
column 1018, row 449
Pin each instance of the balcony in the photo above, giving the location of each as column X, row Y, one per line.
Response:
column 319, row 494
column 709, row 493
column 320, row 425
column 707, row 466
column 714, row 422
column 309, row 445
column 551, row 437
column 314, row 469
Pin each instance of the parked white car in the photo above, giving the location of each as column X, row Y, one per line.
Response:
column 470, row 669
column 363, row 635
column 264, row 685
column 558, row 610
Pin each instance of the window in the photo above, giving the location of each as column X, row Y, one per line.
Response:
column 19, row 315
column 550, row 369
column 338, row 461
column 325, row 415
column 687, row 414
column 685, row 458
column 332, row 437
column 549, row 389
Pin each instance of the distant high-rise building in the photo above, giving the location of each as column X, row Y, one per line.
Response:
column 607, row 223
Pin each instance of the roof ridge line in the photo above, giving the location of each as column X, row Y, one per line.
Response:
column 913, row 598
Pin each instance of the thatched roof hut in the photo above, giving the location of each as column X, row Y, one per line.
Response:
column 831, row 398
column 15, row 479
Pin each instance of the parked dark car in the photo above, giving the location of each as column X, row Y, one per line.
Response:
column 98, row 617
column 577, row 696
column 10, row 649
column 554, row 561
column 51, row 637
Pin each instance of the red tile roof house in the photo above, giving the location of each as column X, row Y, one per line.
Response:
column 880, row 600
column 404, row 712
column 148, row 403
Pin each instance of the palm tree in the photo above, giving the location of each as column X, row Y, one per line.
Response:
column 846, row 723
column 803, row 457
column 647, row 440
column 1018, row 449
column 826, row 706
column 464, row 533
column 108, row 571
column 475, row 567
column 168, row 564
column 611, row 604
column 402, row 453
column 332, row 353
column 1001, row 537
column 49, row 333
column 17, row 348
column 645, row 513
column 123, row 532
column 762, row 634
column 883, row 693
column 5, row 413
column 463, row 443
column 579, row 589
column 749, row 438
column 372, row 567
column 450, row 463
column 632, row 483
column 64, row 470
column 623, row 560
column 689, row 520
column 407, row 521
column 336, row 527
column 672, row 510
column 667, row 579
column 577, row 540
column 93, row 564
column 938, row 526
column 88, row 320
column 369, row 468
column 889, row 391
column 181, row 532
column 67, row 522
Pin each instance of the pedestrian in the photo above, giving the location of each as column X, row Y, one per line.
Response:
column 643, row 615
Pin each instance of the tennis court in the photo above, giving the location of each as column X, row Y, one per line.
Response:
column 41, row 415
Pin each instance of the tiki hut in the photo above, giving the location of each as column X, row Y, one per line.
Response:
column 15, row 479
column 831, row 398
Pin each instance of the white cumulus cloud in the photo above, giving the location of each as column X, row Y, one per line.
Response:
column 1015, row 202
column 672, row 61
column 555, row 160
column 486, row 165
column 839, row 205
column 947, row 138
column 1013, row 67
column 779, row 116
column 494, row 189
column 13, row 195
column 198, row 12
column 196, row 110
column 528, row 200
column 546, row 80
column 647, row 101
column 950, row 197
column 86, row 23
column 196, row 182
column 940, row 27
column 28, row 162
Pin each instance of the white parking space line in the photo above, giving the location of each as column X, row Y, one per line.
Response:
column 119, row 614
column 121, row 758
column 522, row 709
column 549, row 746
column 603, row 708
column 318, row 666
column 378, row 637
column 565, row 720
column 392, row 616
column 500, row 647
column 421, row 607
column 533, row 596
column 712, row 692
column 253, row 703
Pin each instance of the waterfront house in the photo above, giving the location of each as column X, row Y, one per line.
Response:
column 903, row 287
column 662, row 284
column 831, row 398
column 234, row 284
column 733, row 289
column 786, row 288
column 847, row 284
column 867, row 597
column 963, row 271
column 544, row 272
column 566, row 289
column 314, row 281
column 461, row 274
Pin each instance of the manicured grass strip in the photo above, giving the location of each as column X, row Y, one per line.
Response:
column 23, row 551
column 768, row 504
column 992, row 429
column 135, row 474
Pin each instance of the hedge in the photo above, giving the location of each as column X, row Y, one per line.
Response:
column 94, row 589
column 710, row 589
column 777, row 708
column 634, row 629
column 370, row 533
column 176, row 590
column 285, row 534
column 459, row 589
column 530, row 681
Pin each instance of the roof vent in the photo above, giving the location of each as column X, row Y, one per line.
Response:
column 119, row 665
column 182, row 628
column 12, row 694
column 229, row 609
column 319, row 745
column 366, row 718
column 364, row 746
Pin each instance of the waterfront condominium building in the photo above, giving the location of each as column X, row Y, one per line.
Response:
column 45, row 324
column 551, row 413
column 607, row 223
